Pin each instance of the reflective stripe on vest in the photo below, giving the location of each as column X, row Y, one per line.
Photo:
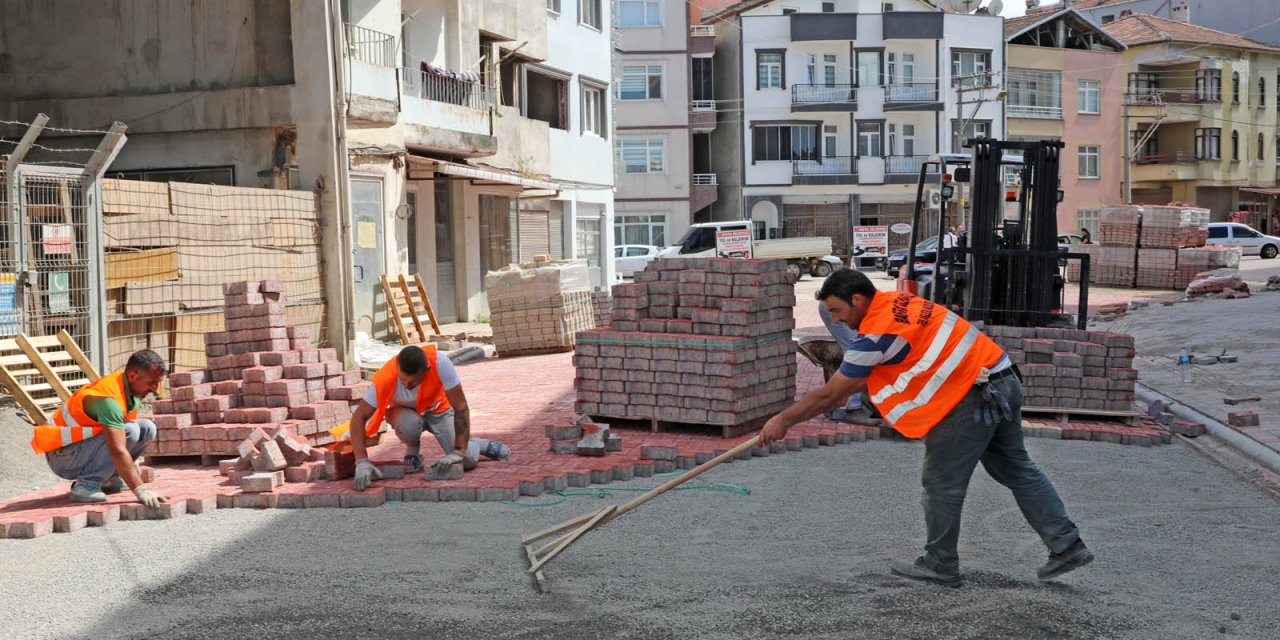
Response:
column 431, row 396
column 944, row 358
column 70, row 422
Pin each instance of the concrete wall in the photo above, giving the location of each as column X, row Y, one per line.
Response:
column 1105, row 130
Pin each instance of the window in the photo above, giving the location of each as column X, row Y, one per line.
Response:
column 589, row 13
column 703, row 79
column 869, row 140
column 639, row 13
column 907, row 71
column 1089, row 96
column 1235, row 146
column 829, row 70
column 908, row 140
column 546, row 98
column 1217, row 232
column 593, row 110
column 1088, row 161
column 1209, row 85
column 1110, row 17
column 1262, row 92
column 650, row 229
column 1149, row 151
column 828, row 7
column 771, row 143
column 786, row 11
column 1262, row 147
column 225, row 176
column 970, row 63
column 830, row 140
column 641, row 82
column 587, row 232
column 642, row 156
column 971, row 130
column 886, row 7
column 1208, row 144
column 769, row 70
column 1033, row 93
column 869, row 68
column 1235, row 87
column 553, row 6
column 1088, row 219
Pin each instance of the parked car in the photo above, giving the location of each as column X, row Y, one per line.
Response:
column 1065, row 241
column 1250, row 241
column 631, row 258
column 926, row 252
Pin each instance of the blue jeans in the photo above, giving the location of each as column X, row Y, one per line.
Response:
column 88, row 462
column 955, row 446
column 844, row 337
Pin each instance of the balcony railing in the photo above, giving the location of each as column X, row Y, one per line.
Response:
column 1029, row 111
column 826, row 166
column 702, row 105
column 438, row 88
column 905, row 165
column 1149, row 97
column 911, row 92
column 702, row 30
column 704, row 179
column 367, row 45
column 823, row 93
column 1165, row 157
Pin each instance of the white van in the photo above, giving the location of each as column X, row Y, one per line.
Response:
column 1250, row 241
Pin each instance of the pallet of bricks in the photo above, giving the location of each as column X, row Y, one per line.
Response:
column 538, row 310
column 1149, row 246
column 698, row 341
column 262, row 374
column 1065, row 369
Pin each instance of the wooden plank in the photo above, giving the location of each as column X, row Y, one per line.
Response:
column 413, row 310
column 52, row 381
column 573, row 537
column 41, row 342
column 78, row 355
column 393, row 310
column 148, row 265
column 539, row 577
column 134, row 197
column 426, row 302
column 188, row 339
column 28, row 404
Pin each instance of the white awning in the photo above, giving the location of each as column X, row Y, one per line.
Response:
column 492, row 175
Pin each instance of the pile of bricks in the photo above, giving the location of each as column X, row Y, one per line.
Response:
column 1157, row 268
column 262, row 374
column 1150, row 246
column 539, row 309
column 1118, row 226
column 1116, row 266
column 1194, row 261
column 584, row 437
column 1173, row 227
column 267, row 461
column 1070, row 369
column 602, row 308
column 693, row 340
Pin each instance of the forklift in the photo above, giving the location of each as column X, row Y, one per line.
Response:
column 1009, row 270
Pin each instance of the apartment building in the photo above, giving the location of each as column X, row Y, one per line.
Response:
column 839, row 102
column 1257, row 19
column 1203, row 107
column 1066, row 81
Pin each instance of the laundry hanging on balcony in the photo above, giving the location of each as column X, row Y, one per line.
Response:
column 455, row 87
column 464, row 76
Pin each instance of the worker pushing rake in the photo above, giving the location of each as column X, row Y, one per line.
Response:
column 931, row 375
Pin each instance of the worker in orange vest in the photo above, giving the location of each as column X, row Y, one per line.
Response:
column 418, row 388
column 934, row 376
column 96, row 436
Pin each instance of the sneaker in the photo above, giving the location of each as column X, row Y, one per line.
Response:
column 496, row 451
column 81, row 493
column 860, row 416
column 836, row 414
column 1059, row 563
column 114, row 485
column 412, row 463
column 918, row 570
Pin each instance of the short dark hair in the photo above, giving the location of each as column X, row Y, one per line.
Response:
column 844, row 284
column 145, row 360
column 412, row 360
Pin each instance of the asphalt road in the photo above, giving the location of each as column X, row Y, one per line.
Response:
column 1185, row 550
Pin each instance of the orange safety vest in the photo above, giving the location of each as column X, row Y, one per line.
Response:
column 70, row 422
column 431, row 396
column 947, row 353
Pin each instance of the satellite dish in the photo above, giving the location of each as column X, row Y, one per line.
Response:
column 964, row 6
column 995, row 7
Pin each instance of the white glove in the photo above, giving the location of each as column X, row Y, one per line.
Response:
column 149, row 498
column 442, row 465
column 365, row 473
column 984, row 375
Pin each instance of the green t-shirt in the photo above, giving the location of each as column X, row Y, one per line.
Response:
column 108, row 412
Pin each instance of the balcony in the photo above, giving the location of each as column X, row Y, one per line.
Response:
column 825, row 170
column 369, row 46
column 702, row 39
column 1164, row 166
column 371, row 70
column 702, row 115
column 1165, row 157
column 905, row 94
column 705, row 179
column 704, row 192
column 1029, row 111
column 904, row 169
column 447, row 113
column 824, row 97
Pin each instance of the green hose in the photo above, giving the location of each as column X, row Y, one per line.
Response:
column 602, row 492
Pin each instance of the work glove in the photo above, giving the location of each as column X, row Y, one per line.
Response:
column 149, row 498
column 993, row 407
column 442, row 465
column 365, row 473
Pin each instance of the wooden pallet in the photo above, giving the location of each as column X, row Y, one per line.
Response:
column 42, row 372
column 409, row 308
column 535, row 352
column 659, row 426
column 1065, row 414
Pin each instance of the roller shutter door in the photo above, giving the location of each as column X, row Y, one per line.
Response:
column 830, row 220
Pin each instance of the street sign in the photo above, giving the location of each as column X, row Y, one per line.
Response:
column 733, row 244
column 901, row 228
column 875, row 240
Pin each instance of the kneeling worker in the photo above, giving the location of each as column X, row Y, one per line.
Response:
column 96, row 436
column 417, row 389
column 934, row 376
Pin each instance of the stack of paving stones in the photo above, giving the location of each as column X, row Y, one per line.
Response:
column 268, row 460
column 602, row 308
column 693, row 340
column 1198, row 260
column 262, row 374
column 584, row 438
column 1173, row 227
column 1064, row 369
column 1152, row 247
column 538, row 310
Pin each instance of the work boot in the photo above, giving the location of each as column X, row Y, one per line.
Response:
column 113, row 485
column 412, row 463
column 1078, row 555
column 918, row 570
column 860, row 416
column 81, row 493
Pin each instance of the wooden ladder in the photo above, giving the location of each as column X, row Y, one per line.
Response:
column 42, row 372
column 406, row 306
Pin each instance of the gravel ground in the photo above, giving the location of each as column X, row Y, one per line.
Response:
column 1185, row 550
column 21, row 470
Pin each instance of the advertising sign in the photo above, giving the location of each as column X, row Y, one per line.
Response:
column 901, row 228
column 875, row 240
column 733, row 244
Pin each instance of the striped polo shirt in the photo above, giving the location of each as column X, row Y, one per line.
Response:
column 870, row 350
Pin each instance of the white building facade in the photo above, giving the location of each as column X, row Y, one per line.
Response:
column 840, row 103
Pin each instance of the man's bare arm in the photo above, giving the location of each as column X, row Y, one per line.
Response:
column 117, row 446
column 829, row 396
column 359, row 419
column 461, row 417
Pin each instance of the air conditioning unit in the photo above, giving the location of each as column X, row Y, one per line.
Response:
column 933, row 199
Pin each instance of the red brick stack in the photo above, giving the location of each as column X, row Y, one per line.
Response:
column 1173, row 227
column 1070, row 369
column 262, row 374
column 1157, row 268
column 1153, row 247
column 1194, row 261
column 693, row 340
